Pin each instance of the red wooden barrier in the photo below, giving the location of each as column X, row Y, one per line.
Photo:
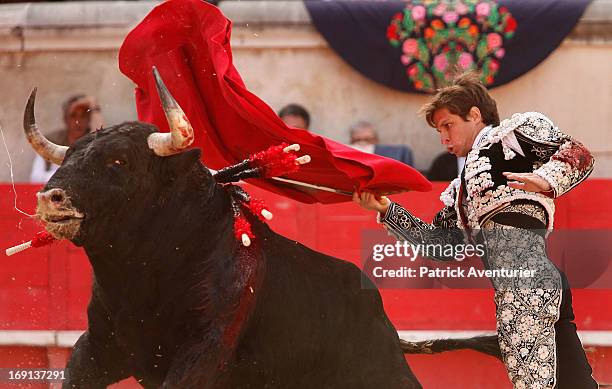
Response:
column 49, row 288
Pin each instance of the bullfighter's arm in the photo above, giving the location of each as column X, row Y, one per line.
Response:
column 400, row 223
column 562, row 161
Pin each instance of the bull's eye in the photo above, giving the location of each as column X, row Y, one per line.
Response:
column 118, row 162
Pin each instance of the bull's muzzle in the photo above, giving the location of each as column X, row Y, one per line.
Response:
column 54, row 198
column 55, row 210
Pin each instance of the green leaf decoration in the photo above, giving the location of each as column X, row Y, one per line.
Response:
column 423, row 52
column 481, row 50
column 493, row 16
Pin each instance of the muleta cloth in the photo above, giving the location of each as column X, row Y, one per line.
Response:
column 416, row 45
column 189, row 43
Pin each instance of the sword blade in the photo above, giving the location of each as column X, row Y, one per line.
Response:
column 313, row 186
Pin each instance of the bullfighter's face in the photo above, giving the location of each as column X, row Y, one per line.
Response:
column 456, row 133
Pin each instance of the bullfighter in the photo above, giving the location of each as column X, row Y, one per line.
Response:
column 504, row 199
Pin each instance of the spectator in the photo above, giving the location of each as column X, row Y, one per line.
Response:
column 445, row 167
column 365, row 138
column 81, row 115
column 294, row 115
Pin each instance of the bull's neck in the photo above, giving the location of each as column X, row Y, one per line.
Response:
column 199, row 278
column 188, row 226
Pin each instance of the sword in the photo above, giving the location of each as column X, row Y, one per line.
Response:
column 312, row 186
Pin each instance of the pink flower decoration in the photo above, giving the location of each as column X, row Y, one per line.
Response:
column 465, row 60
column 405, row 60
column 494, row 40
column 418, row 13
column 461, row 9
column 440, row 62
column 450, row 17
column 410, row 46
column 412, row 71
column 499, row 53
column 439, row 10
column 483, row 9
column 493, row 65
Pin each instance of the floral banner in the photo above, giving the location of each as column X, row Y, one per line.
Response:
column 417, row 45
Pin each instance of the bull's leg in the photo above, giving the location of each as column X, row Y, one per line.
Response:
column 196, row 364
column 573, row 368
column 91, row 367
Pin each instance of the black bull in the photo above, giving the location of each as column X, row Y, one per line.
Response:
column 168, row 281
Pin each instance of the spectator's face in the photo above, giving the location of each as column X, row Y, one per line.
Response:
column 364, row 136
column 81, row 118
column 457, row 134
column 294, row 121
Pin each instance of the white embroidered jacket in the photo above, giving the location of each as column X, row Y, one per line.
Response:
column 527, row 142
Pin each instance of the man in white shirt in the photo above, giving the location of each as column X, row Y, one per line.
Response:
column 81, row 115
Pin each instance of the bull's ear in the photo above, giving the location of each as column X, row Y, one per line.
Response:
column 179, row 164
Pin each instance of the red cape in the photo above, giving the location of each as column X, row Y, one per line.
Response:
column 189, row 43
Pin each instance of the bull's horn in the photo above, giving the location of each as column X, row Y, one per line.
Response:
column 181, row 133
column 44, row 147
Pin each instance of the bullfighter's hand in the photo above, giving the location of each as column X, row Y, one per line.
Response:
column 529, row 182
column 372, row 202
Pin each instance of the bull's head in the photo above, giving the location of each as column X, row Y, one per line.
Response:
column 110, row 169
